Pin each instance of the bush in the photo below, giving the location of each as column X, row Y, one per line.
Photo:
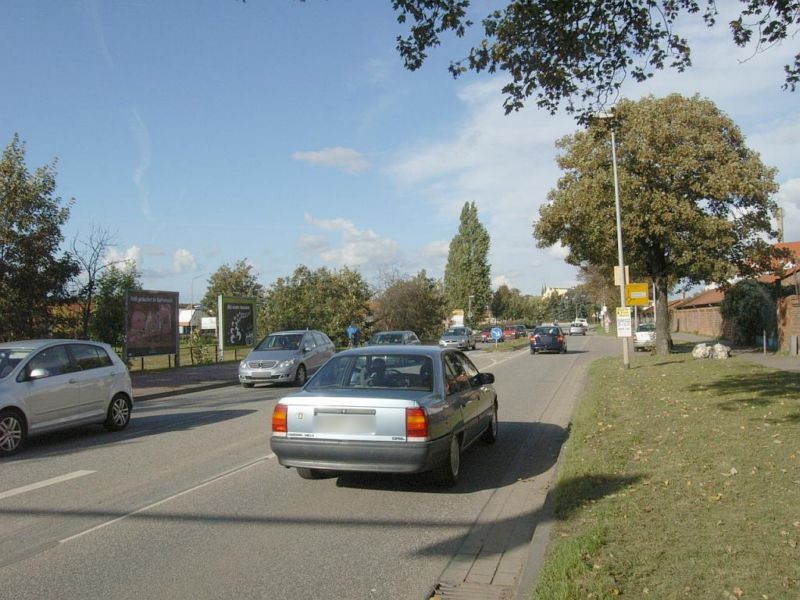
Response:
column 750, row 307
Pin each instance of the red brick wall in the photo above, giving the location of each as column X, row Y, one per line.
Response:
column 788, row 319
column 702, row 321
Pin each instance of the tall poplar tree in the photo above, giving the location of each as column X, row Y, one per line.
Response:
column 468, row 271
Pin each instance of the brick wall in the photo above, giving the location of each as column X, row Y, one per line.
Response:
column 702, row 321
column 788, row 319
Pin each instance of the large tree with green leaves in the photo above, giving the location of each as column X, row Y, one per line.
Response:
column 108, row 316
column 323, row 299
column 696, row 201
column 580, row 52
column 468, row 271
column 235, row 280
column 33, row 271
column 414, row 303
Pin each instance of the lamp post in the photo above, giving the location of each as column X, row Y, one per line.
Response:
column 469, row 308
column 192, row 294
column 620, row 255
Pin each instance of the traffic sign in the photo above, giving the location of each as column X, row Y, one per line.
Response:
column 497, row 333
column 636, row 294
column 624, row 325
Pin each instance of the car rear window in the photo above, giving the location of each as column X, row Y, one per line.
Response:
column 387, row 338
column 371, row 371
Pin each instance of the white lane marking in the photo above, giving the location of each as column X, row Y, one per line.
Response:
column 45, row 483
column 173, row 497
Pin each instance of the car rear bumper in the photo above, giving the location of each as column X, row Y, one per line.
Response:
column 547, row 348
column 339, row 455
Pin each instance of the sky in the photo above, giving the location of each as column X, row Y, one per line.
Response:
column 286, row 133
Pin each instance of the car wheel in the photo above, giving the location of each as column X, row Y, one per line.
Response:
column 490, row 435
column 119, row 413
column 447, row 473
column 12, row 432
column 247, row 385
column 300, row 376
column 307, row 473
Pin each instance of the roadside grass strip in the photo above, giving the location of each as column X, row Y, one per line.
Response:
column 680, row 479
column 506, row 346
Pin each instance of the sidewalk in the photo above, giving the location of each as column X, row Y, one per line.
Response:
column 149, row 385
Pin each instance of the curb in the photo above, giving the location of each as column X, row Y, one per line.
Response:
column 183, row 390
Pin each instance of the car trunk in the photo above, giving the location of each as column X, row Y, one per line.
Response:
column 348, row 418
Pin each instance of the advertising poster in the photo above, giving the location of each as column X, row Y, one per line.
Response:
column 237, row 323
column 151, row 323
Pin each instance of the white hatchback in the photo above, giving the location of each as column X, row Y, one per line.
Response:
column 55, row 384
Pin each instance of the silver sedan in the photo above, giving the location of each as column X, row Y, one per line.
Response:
column 391, row 409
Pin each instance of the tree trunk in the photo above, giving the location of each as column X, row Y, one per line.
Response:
column 663, row 339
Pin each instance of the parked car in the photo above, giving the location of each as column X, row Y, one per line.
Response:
column 486, row 335
column 577, row 328
column 583, row 321
column 401, row 410
column 644, row 338
column 393, row 337
column 54, row 384
column 510, row 332
column 548, row 339
column 286, row 357
column 462, row 338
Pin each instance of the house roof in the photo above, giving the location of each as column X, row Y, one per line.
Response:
column 707, row 298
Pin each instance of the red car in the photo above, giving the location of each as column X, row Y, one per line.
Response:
column 511, row 332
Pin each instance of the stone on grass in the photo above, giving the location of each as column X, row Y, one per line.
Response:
column 716, row 351
column 701, row 350
column 720, row 351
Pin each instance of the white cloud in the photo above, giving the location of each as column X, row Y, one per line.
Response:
column 343, row 159
column 142, row 137
column 355, row 247
column 499, row 280
column 130, row 255
column 558, row 251
column 183, row 261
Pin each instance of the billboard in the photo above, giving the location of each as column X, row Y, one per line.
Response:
column 151, row 323
column 236, row 318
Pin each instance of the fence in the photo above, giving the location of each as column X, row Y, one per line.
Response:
column 189, row 355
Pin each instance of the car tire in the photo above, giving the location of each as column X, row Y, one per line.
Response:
column 490, row 435
column 119, row 413
column 300, row 377
column 247, row 385
column 307, row 473
column 447, row 473
column 12, row 432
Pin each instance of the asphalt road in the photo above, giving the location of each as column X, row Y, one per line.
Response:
column 189, row 502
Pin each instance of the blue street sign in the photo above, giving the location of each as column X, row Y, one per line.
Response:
column 352, row 330
column 497, row 333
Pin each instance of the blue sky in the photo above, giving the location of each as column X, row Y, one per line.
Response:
column 203, row 132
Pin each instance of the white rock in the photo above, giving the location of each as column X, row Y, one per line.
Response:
column 701, row 350
column 720, row 351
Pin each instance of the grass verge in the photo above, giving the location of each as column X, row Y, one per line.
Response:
column 680, row 479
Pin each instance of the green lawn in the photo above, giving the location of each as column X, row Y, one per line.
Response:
column 680, row 479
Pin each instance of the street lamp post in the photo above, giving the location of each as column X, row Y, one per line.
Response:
column 620, row 255
column 192, row 294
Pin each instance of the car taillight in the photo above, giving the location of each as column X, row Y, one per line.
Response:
column 279, row 418
column 534, row 338
column 560, row 338
column 416, row 424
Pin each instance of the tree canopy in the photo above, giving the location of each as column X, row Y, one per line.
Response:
column 580, row 52
column 33, row 271
column 236, row 280
column 414, row 303
column 322, row 299
column 696, row 201
column 468, row 272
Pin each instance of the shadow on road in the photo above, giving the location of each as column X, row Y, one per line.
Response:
column 90, row 436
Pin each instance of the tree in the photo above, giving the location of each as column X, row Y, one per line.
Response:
column 750, row 307
column 236, row 280
column 108, row 322
column 414, row 303
column 326, row 300
column 90, row 254
column 33, row 273
column 581, row 52
column 468, row 272
column 695, row 200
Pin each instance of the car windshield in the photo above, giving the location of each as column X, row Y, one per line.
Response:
column 456, row 331
column 646, row 327
column 10, row 357
column 387, row 338
column 370, row 371
column 289, row 341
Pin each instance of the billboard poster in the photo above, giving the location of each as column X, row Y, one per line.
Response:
column 151, row 323
column 236, row 321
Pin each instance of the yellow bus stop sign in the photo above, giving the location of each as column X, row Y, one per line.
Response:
column 636, row 294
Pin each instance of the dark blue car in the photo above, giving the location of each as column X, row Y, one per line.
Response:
column 548, row 339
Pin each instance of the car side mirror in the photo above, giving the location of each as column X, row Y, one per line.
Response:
column 38, row 374
column 306, row 349
column 487, row 378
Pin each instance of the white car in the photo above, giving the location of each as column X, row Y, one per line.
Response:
column 583, row 322
column 55, row 384
column 644, row 338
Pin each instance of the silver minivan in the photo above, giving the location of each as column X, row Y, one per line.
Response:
column 55, row 384
column 286, row 357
